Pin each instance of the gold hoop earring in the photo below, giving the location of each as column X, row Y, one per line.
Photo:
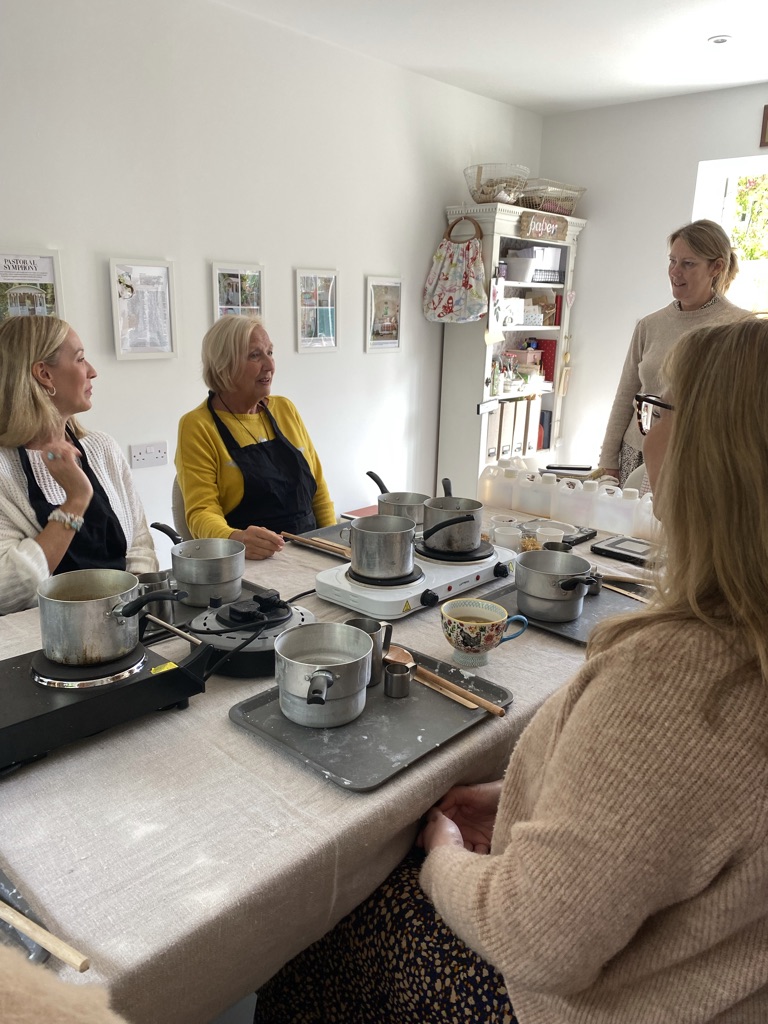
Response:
column 52, row 392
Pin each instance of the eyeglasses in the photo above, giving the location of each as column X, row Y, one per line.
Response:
column 645, row 405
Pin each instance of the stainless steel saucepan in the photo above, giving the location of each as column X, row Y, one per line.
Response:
column 400, row 503
column 90, row 616
column 383, row 546
column 206, row 568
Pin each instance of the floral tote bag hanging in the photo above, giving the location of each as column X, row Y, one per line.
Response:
column 454, row 291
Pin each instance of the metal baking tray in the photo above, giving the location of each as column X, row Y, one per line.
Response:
column 389, row 736
column 8, row 934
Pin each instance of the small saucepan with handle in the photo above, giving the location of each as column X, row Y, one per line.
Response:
column 551, row 585
column 409, row 504
column 382, row 547
column 206, row 568
column 90, row 616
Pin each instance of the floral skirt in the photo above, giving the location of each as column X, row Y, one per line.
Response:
column 391, row 961
column 629, row 459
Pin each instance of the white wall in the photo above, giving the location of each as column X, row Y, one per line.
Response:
column 639, row 163
column 188, row 131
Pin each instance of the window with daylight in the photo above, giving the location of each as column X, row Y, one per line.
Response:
column 735, row 194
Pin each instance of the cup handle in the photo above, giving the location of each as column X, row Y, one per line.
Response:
column 348, row 538
column 387, row 626
column 515, row 618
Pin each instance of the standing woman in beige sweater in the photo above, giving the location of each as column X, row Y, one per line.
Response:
column 618, row 874
column 702, row 266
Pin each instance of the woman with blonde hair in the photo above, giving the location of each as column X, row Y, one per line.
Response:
column 67, row 499
column 244, row 460
column 619, row 871
column 702, row 266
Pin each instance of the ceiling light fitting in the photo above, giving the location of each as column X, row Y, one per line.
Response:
column 719, row 39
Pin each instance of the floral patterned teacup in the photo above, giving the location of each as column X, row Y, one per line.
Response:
column 474, row 627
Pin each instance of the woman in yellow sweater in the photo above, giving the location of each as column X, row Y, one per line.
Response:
column 244, row 460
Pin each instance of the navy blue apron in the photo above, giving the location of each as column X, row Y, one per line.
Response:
column 278, row 486
column 100, row 542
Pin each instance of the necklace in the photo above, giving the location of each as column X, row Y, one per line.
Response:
column 258, row 440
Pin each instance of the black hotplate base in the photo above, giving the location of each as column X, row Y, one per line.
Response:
column 34, row 719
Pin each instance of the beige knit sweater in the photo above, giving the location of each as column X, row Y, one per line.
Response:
column 33, row 994
column 653, row 337
column 628, row 877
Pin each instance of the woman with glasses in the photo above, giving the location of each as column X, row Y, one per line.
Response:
column 619, row 871
column 702, row 266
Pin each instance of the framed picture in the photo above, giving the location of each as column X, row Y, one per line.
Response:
column 30, row 284
column 238, row 288
column 142, row 308
column 383, row 334
column 764, row 131
column 316, row 299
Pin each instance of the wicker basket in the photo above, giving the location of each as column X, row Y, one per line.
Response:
column 496, row 183
column 551, row 196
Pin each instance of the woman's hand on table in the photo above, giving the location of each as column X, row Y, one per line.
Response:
column 259, row 542
column 465, row 817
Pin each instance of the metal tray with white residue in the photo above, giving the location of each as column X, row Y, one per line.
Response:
column 8, row 934
column 389, row 736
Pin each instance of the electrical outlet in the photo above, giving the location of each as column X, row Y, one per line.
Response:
column 145, row 455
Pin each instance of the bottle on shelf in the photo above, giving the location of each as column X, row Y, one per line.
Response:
column 494, row 390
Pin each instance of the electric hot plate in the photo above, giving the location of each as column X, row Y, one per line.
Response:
column 35, row 718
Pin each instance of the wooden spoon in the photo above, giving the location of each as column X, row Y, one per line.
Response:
column 424, row 675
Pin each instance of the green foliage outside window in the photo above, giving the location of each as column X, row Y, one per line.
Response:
column 750, row 232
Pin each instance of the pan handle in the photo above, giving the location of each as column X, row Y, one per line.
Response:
column 168, row 531
column 378, row 481
column 447, row 487
column 572, row 583
column 448, row 522
column 132, row 607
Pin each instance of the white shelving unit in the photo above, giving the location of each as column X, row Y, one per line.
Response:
column 474, row 425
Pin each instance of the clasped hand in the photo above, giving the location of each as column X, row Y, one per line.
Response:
column 465, row 817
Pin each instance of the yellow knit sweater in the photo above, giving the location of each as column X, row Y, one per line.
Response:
column 212, row 485
column 628, row 877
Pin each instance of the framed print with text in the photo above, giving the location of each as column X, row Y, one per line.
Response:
column 383, row 307
column 316, row 299
column 238, row 288
column 30, row 284
column 142, row 308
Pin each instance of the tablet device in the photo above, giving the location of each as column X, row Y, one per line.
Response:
column 626, row 549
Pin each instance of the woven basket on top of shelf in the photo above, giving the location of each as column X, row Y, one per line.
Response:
column 551, row 196
column 495, row 183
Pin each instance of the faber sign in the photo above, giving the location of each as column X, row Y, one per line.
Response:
column 545, row 226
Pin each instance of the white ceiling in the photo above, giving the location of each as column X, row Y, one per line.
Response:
column 546, row 57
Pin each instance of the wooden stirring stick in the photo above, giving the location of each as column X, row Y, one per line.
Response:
column 446, row 684
column 448, row 694
column 320, row 543
column 44, row 938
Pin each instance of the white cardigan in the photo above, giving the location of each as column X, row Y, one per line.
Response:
column 23, row 565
